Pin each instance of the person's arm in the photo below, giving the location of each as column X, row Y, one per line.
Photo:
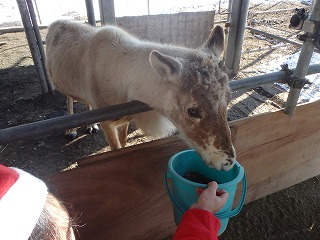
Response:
column 199, row 222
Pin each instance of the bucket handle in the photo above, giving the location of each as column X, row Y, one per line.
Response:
column 232, row 213
column 236, row 210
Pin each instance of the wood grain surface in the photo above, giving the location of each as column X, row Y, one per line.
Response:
column 121, row 195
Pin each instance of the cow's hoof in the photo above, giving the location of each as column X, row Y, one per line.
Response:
column 92, row 129
column 71, row 136
column 95, row 129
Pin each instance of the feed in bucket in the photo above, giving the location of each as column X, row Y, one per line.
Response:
column 194, row 176
column 188, row 172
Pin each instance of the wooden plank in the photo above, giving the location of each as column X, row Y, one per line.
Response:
column 128, row 151
column 277, row 150
column 120, row 195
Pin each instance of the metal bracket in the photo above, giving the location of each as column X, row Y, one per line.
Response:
column 292, row 81
column 305, row 37
column 297, row 83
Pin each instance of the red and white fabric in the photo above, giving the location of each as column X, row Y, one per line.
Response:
column 22, row 197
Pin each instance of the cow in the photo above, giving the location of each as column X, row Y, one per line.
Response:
column 187, row 87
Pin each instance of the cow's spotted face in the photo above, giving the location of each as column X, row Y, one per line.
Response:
column 199, row 101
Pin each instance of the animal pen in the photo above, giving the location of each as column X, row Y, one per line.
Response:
column 274, row 157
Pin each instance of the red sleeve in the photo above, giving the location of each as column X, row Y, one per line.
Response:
column 197, row 224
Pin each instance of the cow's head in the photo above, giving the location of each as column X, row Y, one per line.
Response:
column 199, row 97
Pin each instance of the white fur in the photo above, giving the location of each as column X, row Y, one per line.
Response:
column 108, row 66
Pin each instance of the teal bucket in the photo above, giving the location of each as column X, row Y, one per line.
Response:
column 183, row 192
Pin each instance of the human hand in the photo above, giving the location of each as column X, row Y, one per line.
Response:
column 211, row 199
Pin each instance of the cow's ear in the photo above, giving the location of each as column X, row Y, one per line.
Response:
column 165, row 66
column 215, row 41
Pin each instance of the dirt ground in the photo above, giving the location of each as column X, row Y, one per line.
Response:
column 289, row 214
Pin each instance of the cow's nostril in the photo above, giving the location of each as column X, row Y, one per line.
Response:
column 230, row 153
column 229, row 162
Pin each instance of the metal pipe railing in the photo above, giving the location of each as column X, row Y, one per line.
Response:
column 240, row 35
column 36, row 31
column 25, row 17
column 303, row 63
column 268, row 78
column 41, row 128
column 107, row 13
column 237, row 24
column 90, row 13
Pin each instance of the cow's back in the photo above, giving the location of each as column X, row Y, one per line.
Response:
column 104, row 66
column 65, row 51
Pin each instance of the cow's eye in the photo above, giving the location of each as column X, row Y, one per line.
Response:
column 194, row 112
column 204, row 72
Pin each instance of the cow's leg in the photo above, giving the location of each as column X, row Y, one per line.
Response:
column 111, row 133
column 92, row 128
column 70, row 133
column 123, row 133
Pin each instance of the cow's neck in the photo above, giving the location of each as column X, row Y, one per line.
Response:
column 147, row 86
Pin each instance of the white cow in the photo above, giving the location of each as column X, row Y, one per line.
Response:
column 107, row 66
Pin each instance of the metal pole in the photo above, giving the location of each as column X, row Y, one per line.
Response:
column 302, row 65
column 90, row 13
column 35, row 3
column 240, row 36
column 16, row 29
column 107, row 13
column 39, row 43
column 41, row 128
column 269, row 78
column 237, row 24
column 233, row 18
column 32, row 44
